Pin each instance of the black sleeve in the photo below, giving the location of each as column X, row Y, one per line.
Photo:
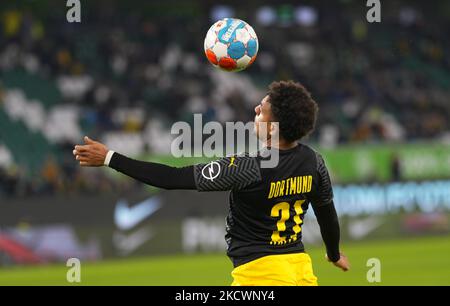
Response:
column 325, row 211
column 154, row 174
column 329, row 228
column 229, row 173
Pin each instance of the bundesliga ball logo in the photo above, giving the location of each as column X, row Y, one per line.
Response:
column 231, row 44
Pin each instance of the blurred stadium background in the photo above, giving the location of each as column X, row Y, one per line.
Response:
column 131, row 69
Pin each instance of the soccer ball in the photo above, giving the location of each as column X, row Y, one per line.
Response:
column 231, row 44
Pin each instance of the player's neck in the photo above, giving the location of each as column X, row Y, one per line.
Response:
column 282, row 145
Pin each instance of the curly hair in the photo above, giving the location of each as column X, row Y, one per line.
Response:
column 294, row 109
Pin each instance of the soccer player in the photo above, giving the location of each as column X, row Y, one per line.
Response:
column 267, row 205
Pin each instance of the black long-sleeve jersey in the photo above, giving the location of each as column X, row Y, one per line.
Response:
column 267, row 205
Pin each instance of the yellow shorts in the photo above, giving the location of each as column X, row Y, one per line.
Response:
column 276, row 270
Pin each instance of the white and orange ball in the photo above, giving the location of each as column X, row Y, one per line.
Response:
column 231, row 44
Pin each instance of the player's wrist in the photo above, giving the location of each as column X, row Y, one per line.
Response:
column 108, row 158
column 334, row 258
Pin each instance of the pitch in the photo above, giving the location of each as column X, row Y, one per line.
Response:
column 415, row 261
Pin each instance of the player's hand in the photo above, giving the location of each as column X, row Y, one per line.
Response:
column 342, row 263
column 92, row 154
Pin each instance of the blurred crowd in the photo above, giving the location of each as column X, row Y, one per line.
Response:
column 131, row 74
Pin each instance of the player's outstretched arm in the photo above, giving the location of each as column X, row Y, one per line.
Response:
column 96, row 154
column 234, row 172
